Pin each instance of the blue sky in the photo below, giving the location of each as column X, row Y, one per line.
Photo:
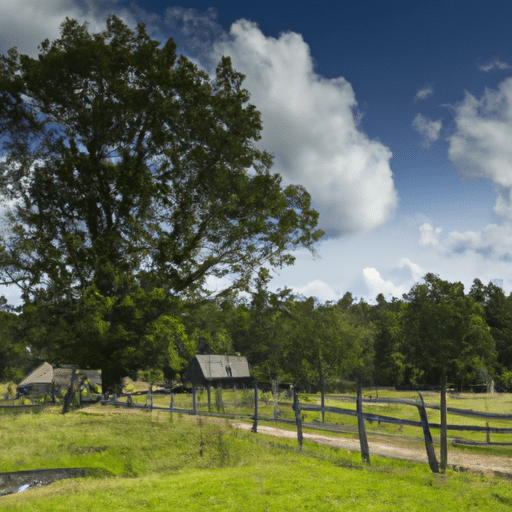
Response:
column 395, row 115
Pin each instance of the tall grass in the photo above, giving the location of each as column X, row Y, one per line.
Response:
column 146, row 460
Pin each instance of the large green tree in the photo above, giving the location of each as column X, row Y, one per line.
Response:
column 129, row 177
column 388, row 320
column 14, row 356
column 498, row 315
column 446, row 334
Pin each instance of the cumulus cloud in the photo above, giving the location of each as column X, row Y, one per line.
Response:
column 493, row 242
column 480, row 146
column 403, row 277
column 415, row 271
column 424, row 93
column 317, row 288
column 429, row 235
column 26, row 26
column 494, row 64
column 310, row 126
column 377, row 284
column 428, row 129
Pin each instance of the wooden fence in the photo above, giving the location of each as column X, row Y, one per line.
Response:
column 422, row 423
column 297, row 409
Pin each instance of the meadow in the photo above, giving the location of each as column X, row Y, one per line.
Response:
column 155, row 460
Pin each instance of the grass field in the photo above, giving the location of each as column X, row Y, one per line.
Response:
column 143, row 460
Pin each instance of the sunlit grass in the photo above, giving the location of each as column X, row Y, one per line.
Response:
column 149, row 462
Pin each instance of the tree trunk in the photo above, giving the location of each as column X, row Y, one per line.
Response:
column 444, row 439
column 110, row 381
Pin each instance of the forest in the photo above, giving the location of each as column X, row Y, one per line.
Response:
column 403, row 342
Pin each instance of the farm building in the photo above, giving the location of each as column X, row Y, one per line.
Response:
column 54, row 381
column 219, row 370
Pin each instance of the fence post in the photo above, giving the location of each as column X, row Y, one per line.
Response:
column 431, row 454
column 149, row 398
column 220, row 402
column 68, row 397
column 209, row 391
column 275, row 393
column 488, row 433
column 255, row 424
column 443, row 436
column 363, row 441
column 194, row 400
column 322, row 398
column 298, row 421
column 172, row 402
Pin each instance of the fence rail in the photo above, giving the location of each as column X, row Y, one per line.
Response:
column 249, row 405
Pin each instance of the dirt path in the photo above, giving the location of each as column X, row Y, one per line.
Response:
column 399, row 449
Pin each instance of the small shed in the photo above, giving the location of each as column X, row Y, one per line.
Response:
column 219, row 370
column 49, row 380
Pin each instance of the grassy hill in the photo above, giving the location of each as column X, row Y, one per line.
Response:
column 141, row 460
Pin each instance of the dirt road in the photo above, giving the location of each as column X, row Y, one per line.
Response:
column 400, row 449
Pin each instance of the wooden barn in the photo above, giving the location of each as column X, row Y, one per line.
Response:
column 219, row 371
column 47, row 380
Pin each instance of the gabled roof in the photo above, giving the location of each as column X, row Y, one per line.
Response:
column 213, row 367
column 41, row 375
column 47, row 374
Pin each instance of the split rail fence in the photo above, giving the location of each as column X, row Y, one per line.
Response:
column 250, row 404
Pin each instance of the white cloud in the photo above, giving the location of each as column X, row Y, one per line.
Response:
column 377, row 284
column 428, row 129
column 26, row 25
column 310, row 126
column 494, row 242
column 424, row 93
column 317, row 288
column 400, row 279
column 429, row 234
column 494, row 64
column 416, row 271
column 480, row 146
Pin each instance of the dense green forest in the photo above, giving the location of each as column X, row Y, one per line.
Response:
column 404, row 342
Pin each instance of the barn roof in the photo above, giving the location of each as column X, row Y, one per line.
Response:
column 41, row 375
column 216, row 367
column 47, row 374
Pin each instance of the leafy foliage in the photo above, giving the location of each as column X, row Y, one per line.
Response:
column 132, row 177
column 445, row 330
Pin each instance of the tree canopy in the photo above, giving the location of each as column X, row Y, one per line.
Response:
column 129, row 176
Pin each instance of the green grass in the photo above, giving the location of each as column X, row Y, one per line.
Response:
column 142, row 460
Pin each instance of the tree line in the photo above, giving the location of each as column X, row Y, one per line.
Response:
column 435, row 329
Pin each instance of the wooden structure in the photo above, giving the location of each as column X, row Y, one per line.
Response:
column 219, row 371
column 51, row 381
